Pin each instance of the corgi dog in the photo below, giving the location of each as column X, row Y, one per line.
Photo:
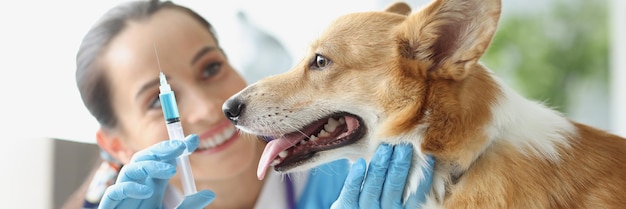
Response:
column 398, row 76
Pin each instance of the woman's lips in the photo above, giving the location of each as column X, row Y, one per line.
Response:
column 218, row 129
column 217, row 138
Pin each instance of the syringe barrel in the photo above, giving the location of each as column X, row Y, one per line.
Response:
column 189, row 185
column 175, row 132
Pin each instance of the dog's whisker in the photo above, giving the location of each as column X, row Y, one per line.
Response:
column 297, row 130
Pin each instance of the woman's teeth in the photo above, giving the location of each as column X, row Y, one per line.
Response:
column 217, row 139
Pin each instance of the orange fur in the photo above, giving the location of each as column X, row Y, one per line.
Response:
column 590, row 175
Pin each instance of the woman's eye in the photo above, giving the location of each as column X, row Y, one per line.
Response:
column 211, row 70
column 156, row 103
column 320, row 62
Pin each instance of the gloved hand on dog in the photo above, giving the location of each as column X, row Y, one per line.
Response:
column 141, row 184
column 385, row 181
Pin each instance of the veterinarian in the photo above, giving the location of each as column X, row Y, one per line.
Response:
column 117, row 76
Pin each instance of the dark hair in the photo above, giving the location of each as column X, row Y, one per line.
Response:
column 92, row 83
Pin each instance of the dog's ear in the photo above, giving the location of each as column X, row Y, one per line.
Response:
column 448, row 37
column 399, row 8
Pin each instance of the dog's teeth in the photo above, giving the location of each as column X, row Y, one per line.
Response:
column 275, row 162
column 313, row 138
column 283, row 154
column 341, row 121
column 331, row 125
column 323, row 133
column 303, row 142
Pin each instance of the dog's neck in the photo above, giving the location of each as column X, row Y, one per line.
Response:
column 470, row 116
column 456, row 114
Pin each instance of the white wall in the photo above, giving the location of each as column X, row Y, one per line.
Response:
column 26, row 173
column 37, row 47
column 618, row 66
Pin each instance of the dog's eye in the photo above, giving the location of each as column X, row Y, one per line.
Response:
column 320, row 62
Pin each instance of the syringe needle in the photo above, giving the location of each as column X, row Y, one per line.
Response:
column 157, row 57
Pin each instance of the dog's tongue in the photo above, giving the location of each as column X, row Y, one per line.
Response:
column 272, row 149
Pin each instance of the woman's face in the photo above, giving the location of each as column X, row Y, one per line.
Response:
column 201, row 78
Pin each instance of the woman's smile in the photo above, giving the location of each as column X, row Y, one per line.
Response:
column 217, row 139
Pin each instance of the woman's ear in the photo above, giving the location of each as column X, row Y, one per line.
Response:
column 112, row 144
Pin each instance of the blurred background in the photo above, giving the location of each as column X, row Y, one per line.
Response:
column 569, row 54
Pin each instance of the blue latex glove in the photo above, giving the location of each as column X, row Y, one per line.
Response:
column 386, row 178
column 141, row 183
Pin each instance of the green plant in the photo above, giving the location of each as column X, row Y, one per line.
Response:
column 545, row 54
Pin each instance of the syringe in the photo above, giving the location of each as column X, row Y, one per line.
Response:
column 175, row 132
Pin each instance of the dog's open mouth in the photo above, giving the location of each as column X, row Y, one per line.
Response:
column 327, row 133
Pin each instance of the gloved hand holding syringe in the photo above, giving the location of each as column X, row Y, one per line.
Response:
column 175, row 131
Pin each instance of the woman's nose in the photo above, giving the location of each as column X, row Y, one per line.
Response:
column 202, row 107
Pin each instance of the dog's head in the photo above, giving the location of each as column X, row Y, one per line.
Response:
column 371, row 77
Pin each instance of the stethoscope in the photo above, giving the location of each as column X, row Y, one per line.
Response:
column 291, row 199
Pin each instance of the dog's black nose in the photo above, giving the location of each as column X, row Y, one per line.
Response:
column 233, row 108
